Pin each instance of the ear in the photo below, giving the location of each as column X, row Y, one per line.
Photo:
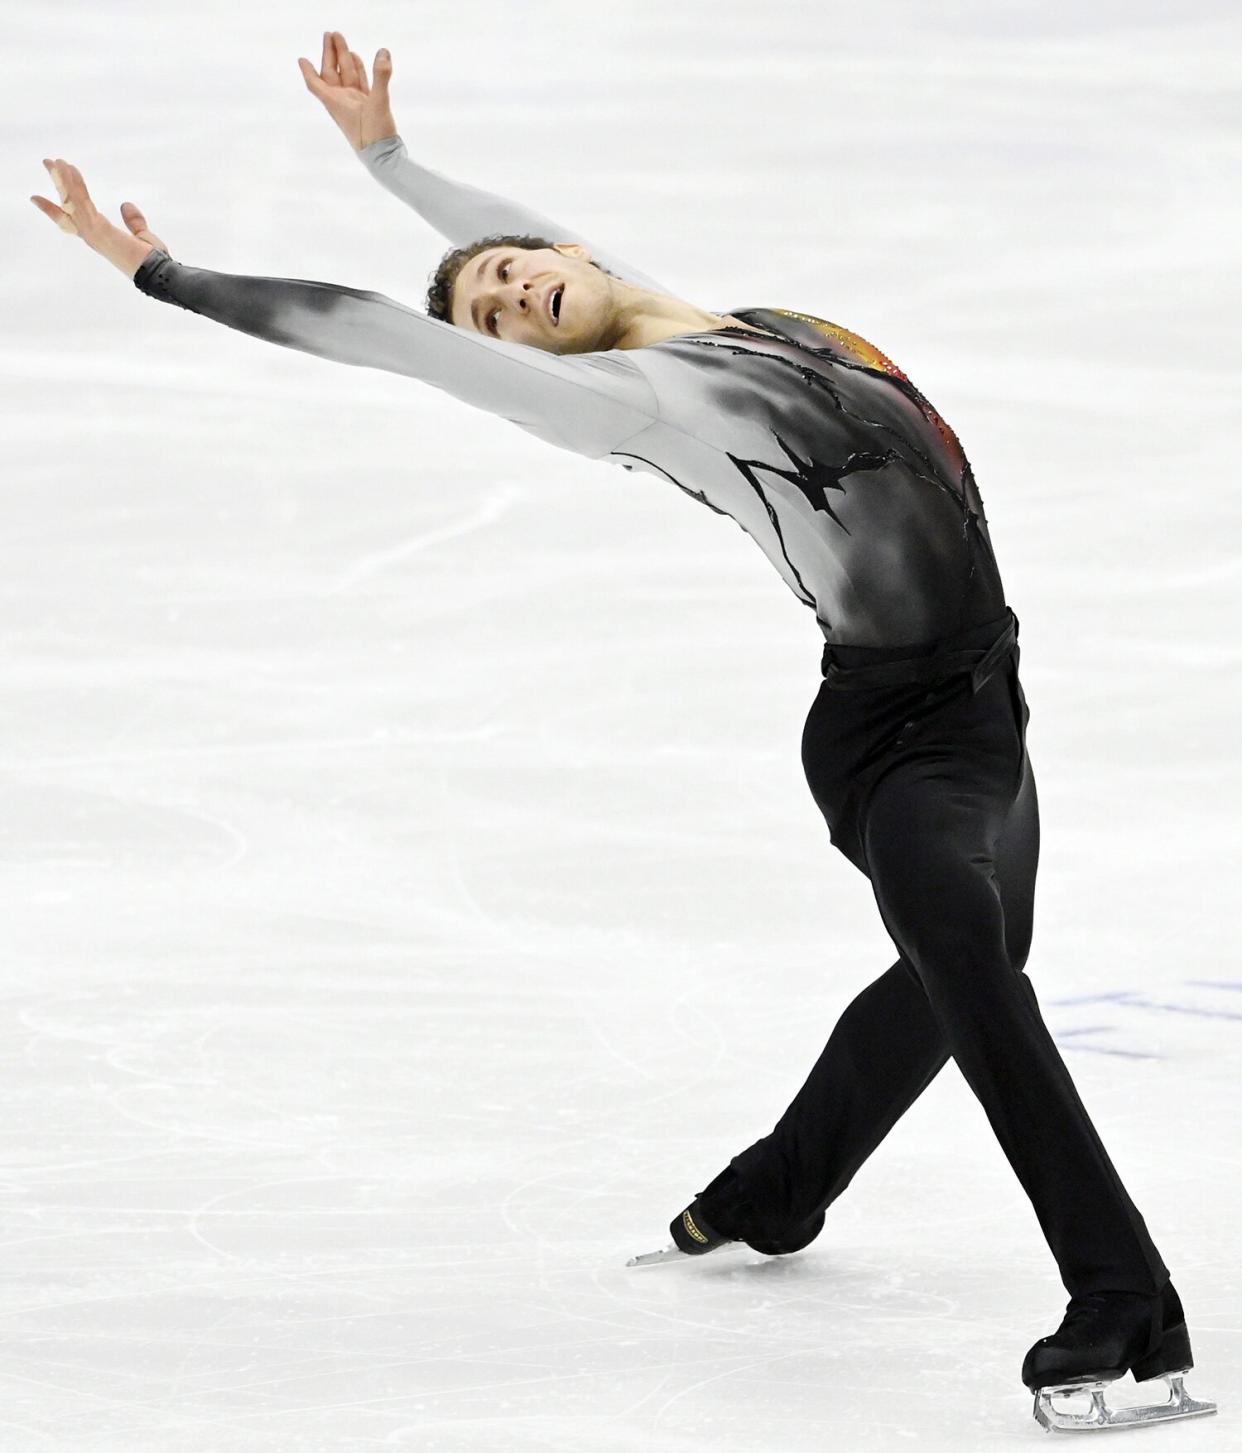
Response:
column 573, row 249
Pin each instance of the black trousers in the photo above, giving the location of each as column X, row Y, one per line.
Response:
column 917, row 759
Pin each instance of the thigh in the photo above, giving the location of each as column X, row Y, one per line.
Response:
column 945, row 823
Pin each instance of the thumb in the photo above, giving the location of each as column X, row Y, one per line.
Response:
column 132, row 216
column 382, row 70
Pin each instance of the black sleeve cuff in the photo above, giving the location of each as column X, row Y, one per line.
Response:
column 150, row 280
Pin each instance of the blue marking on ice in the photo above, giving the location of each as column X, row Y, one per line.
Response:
column 1136, row 999
column 1133, row 999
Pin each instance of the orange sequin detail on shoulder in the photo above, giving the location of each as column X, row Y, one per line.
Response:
column 852, row 344
column 857, row 350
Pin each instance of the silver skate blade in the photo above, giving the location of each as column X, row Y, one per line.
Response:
column 1100, row 1416
column 672, row 1252
column 655, row 1258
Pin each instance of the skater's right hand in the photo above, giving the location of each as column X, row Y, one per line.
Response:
column 78, row 215
column 363, row 114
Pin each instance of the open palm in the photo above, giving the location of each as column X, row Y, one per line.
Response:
column 361, row 111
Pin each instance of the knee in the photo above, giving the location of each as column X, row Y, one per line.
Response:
column 947, row 946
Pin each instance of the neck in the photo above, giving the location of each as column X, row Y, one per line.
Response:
column 643, row 317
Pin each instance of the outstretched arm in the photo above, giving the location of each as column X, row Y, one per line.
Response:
column 459, row 212
column 463, row 213
column 586, row 402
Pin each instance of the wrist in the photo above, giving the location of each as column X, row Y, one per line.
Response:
column 125, row 252
column 383, row 130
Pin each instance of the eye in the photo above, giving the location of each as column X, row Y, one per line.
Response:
column 500, row 273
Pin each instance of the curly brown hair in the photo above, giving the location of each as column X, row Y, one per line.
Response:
column 440, row 293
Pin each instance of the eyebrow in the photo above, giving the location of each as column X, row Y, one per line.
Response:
column 474, row 306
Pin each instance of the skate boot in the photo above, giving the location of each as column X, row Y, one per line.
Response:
column 693, row 1235
column 720, row 1217
column 1103, row 1336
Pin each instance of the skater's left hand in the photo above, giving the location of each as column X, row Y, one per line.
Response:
column 77, row 216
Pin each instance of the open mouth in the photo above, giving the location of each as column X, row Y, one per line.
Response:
column 554, row 305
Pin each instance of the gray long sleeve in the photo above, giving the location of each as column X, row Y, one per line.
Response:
column 804, row 434
column 586, row 402
column 463, row 214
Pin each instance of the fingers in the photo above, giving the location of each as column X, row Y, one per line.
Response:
column 328, row 70
column 58, row 181
column 70, row 184
column 344, row 61
column 311, row 76
column 62, row 219
column 360, row 72
column 76, row 214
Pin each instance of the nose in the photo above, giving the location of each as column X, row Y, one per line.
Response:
column 521, row 293
column 525, row 295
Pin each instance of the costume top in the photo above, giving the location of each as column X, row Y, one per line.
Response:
column 804, row 434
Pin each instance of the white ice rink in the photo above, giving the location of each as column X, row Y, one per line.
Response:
column 411, row 894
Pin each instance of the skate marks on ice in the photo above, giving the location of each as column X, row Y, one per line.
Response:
column 494, row 505
column 822, row 1352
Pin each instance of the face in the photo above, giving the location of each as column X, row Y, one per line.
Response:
column 550, row 298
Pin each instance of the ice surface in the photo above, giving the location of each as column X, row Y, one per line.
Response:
column 411, row 893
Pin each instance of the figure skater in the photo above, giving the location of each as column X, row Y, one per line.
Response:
column 858, row 492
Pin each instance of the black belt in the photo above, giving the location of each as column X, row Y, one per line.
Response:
column 979, row 663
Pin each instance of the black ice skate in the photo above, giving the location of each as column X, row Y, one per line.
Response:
column 693, row 1235
column 1103, row 1336
column 721, row 1216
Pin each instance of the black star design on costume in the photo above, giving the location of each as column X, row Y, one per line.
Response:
column 810, row 476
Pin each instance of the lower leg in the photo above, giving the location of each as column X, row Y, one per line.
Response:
column 927, row 846
column 885, row 1050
